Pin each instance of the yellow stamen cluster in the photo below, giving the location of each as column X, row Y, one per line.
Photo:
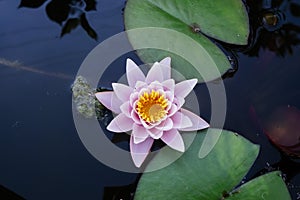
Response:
column 151, row 107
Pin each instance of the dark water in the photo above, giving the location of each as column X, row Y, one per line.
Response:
column 41, row 154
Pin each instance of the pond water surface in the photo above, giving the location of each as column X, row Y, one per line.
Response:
column 41, row 154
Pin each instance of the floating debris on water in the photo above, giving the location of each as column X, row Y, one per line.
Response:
column 83, row 96
column 195, row 28
column 86, row 102
column 272, row 19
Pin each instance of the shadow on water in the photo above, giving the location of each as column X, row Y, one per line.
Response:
column 8, row 194
column 125, row 192
column 67, row 13
column 273, row 27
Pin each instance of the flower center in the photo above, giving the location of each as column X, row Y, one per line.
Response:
column 151, row 107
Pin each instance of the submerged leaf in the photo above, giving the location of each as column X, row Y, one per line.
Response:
column 283, row 129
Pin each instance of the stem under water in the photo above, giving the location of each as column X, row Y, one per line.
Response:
column 16, row 64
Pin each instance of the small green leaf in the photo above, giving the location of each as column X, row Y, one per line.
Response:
column 194, row 178
column 267, row 187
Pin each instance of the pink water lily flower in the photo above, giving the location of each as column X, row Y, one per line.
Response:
column 151, row 108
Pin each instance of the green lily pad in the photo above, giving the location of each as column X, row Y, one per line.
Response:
column 207, row 178
column 269, row 186
column 223, row 20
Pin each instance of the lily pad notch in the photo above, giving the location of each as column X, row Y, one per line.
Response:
column 225, row 21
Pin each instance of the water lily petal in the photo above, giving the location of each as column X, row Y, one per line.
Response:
column 155, row 85
column 140, row 151
column 126, row 109
column 109, row 100
column 155, row 133
column 139, row 85
column 122, row 91
column 181, row 121
column 147, row 125
column 183, row 88
column 173, row 139
column 179, row 101
column 166, row 67
column 143, row 90
column 135, row 117
column 139, row 133
column 133, row 73
column 133, row 98
column 165, row 125
column 173, row 109
column 169, row 96
column 169, row 84
column 155, row 74
column 120, row 124
column 138, row 140
column 176, row 105
column 198, row 122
